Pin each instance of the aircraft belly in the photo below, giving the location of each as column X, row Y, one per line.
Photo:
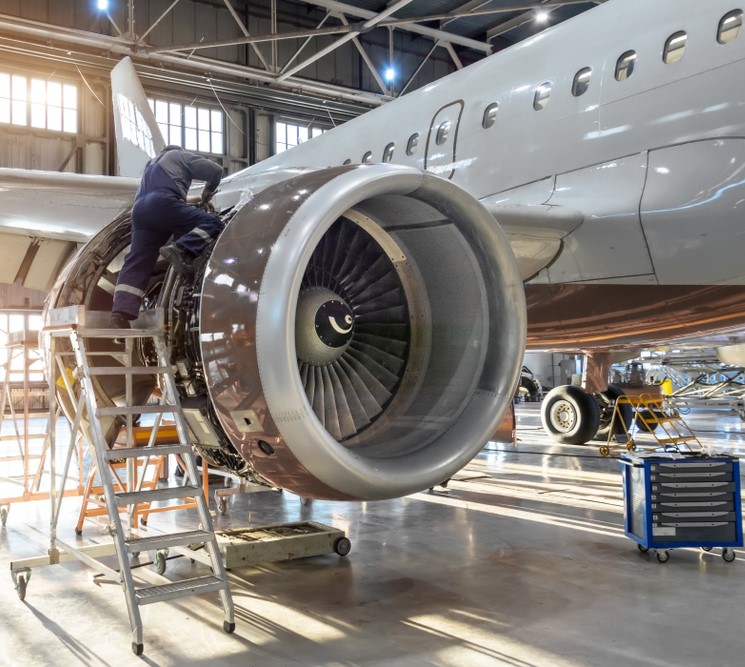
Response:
column 596, row 316
column 692, row 212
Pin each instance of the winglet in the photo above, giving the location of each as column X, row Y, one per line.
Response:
column 138, row 137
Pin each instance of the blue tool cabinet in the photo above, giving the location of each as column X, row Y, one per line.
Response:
column 691, row 501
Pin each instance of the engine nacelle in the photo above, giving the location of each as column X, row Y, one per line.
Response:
column 359, row 332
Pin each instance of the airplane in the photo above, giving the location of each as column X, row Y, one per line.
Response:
column 357, row 330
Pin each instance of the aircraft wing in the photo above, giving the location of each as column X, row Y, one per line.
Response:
column 46, row 214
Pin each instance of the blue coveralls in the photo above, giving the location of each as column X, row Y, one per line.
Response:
column 160, row 210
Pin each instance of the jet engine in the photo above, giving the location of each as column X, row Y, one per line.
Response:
column 354, row 333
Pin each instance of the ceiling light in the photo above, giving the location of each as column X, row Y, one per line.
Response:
column 102, row 5
column 390, row 74
column 541, row 16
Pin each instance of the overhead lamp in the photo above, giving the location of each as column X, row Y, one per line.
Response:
column 541, row 16
column 390, row 74
column 102, row 5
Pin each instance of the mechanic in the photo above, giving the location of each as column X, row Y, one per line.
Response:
column 159, row 212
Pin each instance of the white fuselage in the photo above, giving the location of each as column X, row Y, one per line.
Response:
column 653, row 163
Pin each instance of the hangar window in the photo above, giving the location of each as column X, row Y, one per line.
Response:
column 195, row 128
column 729, row 27
column 490, row 115
column 625, row 65
column 442, row 133
column 287, row 135
column 367, row 157
column 675, row 47
column 412, row 143
column 47, row 105
column 542, row 96
column 388, row 152
column 581, row 81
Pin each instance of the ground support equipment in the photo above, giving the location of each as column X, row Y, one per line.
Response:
column 22, row 463
column 73, row 327
column 676, row 500
column 653, row 415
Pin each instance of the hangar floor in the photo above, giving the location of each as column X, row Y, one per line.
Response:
column 522, row 561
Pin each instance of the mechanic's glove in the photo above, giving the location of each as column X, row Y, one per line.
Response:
column 207, row 195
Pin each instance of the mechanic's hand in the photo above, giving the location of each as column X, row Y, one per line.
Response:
column 207, row 195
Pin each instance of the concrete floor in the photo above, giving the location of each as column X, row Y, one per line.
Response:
column 522, row 561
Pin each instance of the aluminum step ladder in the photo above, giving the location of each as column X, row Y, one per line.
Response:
column 126, row 543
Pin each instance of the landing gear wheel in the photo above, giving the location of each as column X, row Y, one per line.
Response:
column 707, row 549
column 160, row 562
column 642, row 548
column 22, row 583
column 645, row 420
column 728, row 554
column 607, row 407
column 137, row 649
column 663, row 556
column 604, row 450
column 342, row 546
column 228, row 627
column 570, row 415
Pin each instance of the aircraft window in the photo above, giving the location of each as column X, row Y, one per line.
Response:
column 388, row 152
column 412, row 143
column 442, row 133
column 542, row 95
column 490, row 115
column 367, row 157
column 729, row 27
column 625, row 65
column 675, row 47
column 347, row 161
column 581, row 81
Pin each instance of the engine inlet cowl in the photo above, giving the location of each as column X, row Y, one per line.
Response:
column 362, row 331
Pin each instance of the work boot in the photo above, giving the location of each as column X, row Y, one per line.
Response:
column 180, row 260
column 119, row 321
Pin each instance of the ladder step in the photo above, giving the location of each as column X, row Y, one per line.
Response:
column 154, row 495
column 155, row 542
column 667, row 441
column 126, row 370
column 179, row 589
column 136, row 410
column 118, row 333
column 137, row 452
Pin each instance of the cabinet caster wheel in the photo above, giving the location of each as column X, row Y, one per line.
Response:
column 342, row 546
column 728, row 555
column 642, row 548
column 4, row 515
column 604, row 450
column 663, row 556
column 707, row 549
column 160, row 562
column 228, row 627
column 78, row 531
column 223, row 505
column 137, row 649
column 143, row 522
column 21, row 584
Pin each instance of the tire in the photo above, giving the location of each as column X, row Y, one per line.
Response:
column 531, row 389
column 606, row 406
column 570, row 415
column 647, row 414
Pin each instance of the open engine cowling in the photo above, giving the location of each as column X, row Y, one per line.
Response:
column 359, row 332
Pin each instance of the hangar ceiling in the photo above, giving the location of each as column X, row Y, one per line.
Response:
column 466, row 30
